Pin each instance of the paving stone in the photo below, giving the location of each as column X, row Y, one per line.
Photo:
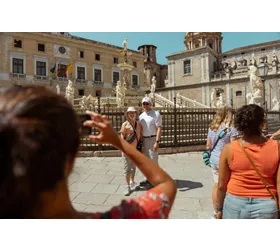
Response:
column 79, row 207
column 82, row 187
column 105, row 188
column 73, row 195
column 97, row 184
column 96, row 209
column 98, row 178
column 90, row 199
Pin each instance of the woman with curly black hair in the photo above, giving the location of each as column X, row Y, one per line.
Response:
column 249, row 176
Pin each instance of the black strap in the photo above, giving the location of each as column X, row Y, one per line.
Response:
column 224, row 130
column 134, row 129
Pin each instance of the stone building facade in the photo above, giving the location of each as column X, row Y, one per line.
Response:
column 28, row 58
column 202, row 67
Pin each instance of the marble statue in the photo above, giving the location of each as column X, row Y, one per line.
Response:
column 124, row 44
column 57, row 89
column 213, row 98
column 87, row 102
column 120, row 94
column 275, row 103
column 220, row 101
column 153, row 85
column 70, row 92
column 90, row 101
column 83, row 103
column 255, row 96
column 274, row 58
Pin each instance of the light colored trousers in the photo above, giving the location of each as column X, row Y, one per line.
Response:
column 148, row 144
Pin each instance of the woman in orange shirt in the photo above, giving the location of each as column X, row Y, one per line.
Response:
column 246, row 165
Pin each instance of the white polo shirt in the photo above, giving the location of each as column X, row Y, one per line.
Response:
column 149, row 121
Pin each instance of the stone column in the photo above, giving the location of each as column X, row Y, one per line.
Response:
column 207, row 69
column 228, row 94
column 173, row 73
column 169, row 72
column 208, row 95
column 203, row 94
column 202, row 69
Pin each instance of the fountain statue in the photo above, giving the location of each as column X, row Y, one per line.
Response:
column 153, row 85
column 57, row 89
column 213, row 98
column 70, row 92
column 220, row 102
column 120, row 94
column 255, row 96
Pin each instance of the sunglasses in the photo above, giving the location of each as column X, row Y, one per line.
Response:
column 146, row 103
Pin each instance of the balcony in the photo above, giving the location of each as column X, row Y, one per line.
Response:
column 61, row 79
column 98, row 84
column 134, row 86
column 81, row 81
column 41, row 78
column 18, row 76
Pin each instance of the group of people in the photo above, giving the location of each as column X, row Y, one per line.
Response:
column 143, row 135
column 40, row 137
column 39, row 141
column 245, row 165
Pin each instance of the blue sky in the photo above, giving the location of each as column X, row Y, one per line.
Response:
column 171, row 42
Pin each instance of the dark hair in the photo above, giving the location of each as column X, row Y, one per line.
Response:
column 39, row 133
column 248, row 119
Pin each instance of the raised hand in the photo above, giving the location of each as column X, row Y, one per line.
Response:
column 107, row 134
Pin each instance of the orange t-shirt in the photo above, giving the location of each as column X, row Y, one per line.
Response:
column 244, row 180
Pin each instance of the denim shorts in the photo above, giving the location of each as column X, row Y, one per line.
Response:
column 236, row 207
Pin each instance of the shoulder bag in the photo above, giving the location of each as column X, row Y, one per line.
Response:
column 207, row 153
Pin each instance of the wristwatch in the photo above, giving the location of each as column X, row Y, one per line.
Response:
column 219, row 209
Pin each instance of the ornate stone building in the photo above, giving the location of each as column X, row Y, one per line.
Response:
column 202, row 67
column 50, row 59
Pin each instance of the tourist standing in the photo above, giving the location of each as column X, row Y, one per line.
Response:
column 247, row 187
column 131, row 131
column 151, row 122
column 221, row 132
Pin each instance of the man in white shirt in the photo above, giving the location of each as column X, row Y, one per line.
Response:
column 151, row 122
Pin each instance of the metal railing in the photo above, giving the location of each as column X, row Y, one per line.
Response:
column 182, row 126
column 17, row 76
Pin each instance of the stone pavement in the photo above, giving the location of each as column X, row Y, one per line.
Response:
column 97, row 184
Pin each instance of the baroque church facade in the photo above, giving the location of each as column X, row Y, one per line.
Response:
column 202, row 68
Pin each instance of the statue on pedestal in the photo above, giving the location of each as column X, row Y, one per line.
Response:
column 274, row 59
column 57, row 89
column 83, row 103
column 220, row 102
column 213, row 98
column 124, row 44
column 120, row 94
column 255, row 96
column 153, row 85
column 70, row 92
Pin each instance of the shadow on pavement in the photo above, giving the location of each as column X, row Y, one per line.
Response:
column 184, row 185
